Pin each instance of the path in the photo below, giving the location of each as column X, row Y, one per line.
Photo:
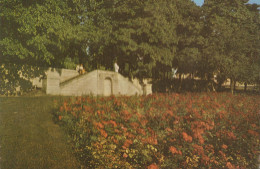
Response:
column 28, row 136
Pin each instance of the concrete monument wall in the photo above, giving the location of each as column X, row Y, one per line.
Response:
column 97, row 82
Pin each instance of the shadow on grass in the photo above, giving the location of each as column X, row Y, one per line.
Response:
column 29, row 138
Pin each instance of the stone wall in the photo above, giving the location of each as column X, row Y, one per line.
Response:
column 97, row 82
column 67, row 74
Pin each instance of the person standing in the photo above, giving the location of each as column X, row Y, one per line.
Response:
column 116, row 67
column 77, row 68
column 81, row 69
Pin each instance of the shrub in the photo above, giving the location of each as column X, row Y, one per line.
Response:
column 164, row 130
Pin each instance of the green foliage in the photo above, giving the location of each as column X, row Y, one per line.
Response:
column 164, row 131
column 36, row 34
column 147, row 38
column 231, row 36
column 137, row 34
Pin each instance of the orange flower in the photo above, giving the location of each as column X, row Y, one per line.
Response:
column 134, row 125
column 205, row 159
column 253, row 133
column 231, row 135
column 99, row 125
column 201, row 139
column 127, row 144
column 173, row 150
column 125, row 155
column 144, row 122
column 61, row 108
column 141, row 131
column 224, row 146
column 60, row 117
column 168, row 129
column 186, row 137
column 152, row 166
column 170, row 113
column 223, row 155
column 229, row 165
column 113, row 123
column 103, row 133
column 198, row 149
column 152, row 140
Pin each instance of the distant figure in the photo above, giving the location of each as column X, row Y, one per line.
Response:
column 77, row 68
column 81, row 69
column 174, row 71
column 116, row 67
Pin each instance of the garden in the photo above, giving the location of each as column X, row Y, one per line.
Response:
column 189, row 130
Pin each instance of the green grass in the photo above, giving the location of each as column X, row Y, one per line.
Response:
column 29, row 138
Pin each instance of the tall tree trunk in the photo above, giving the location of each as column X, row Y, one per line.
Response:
column 245, row 86
column 232, row 82
column 180, row 82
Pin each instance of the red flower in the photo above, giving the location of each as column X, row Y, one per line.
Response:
column 229, row 165
column 61, row 109
column 113, row 123
column 169, row 112
column 186, row 137
column 173, row 150
column 134, row 125
column 224, row 146
column 141, row 131
column 198, row 149
column 125, row 155
column 99, row 125
column 127, row 144
column 150, row 140
column 103, row 133
column 60, row 117
column 231, row 135
column 223, row 155
column 144, row 122
column 253, row 133
column 205, row 159
column 168, row 129
column 152, row 166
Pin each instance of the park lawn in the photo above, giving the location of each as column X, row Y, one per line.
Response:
column 29, row 137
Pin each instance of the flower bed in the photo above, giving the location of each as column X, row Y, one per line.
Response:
column 214, row 130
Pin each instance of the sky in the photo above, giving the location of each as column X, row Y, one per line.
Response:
column 200, row 2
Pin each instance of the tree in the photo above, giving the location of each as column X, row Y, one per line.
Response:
column 226, row 31
column 34, row 34
column 190, row 39
column 139, row 34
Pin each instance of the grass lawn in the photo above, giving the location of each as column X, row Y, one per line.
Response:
column 29, row 138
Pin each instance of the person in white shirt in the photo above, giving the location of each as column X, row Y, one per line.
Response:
column 77, row 68
column 81, row 69
column 116, row 67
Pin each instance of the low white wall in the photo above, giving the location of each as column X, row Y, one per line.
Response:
column 69, row 83
column 67, row 74
column 83, row 85
column 127, row 88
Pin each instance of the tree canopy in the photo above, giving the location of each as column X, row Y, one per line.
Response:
column 146, row 37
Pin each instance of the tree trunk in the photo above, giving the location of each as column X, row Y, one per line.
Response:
column 245, row 86
column 180, row 82
column 232, row 82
